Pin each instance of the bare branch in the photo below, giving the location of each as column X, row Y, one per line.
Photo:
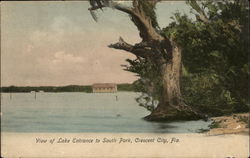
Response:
column 123, row 8
column 138, row 16
column 138, row 51
column 93, row 15
column 143, row 23
column 201, row 14
column 95, row 8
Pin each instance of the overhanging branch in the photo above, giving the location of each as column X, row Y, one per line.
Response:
column 138, row 16
column 142, row 22
column 134, row 49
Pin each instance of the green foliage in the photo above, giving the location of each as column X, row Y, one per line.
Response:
column 204, row 92
column 150, row 77
column 214, row 124
column 215, row 57
column 149, row 83
column 126, row 87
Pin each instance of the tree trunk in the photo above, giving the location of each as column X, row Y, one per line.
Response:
column 171, row 106
column 161, row 51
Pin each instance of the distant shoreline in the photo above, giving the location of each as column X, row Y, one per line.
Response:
column 68, row 88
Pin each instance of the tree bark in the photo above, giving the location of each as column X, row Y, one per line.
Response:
column 171, row 106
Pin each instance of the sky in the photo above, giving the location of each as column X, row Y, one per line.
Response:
column 58, row 43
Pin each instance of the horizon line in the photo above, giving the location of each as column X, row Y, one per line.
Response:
column 64, row 85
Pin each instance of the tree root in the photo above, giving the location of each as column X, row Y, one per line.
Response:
column 180, row 113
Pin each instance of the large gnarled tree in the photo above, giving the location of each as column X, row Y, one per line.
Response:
column 158, row 49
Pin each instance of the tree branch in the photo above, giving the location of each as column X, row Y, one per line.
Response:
column 138, row 16
column 143, row 21
column 201, row 14
column 143, row 52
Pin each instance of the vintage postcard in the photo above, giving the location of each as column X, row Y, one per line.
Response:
column 125, row 78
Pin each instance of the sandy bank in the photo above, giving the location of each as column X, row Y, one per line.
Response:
column 234, row 124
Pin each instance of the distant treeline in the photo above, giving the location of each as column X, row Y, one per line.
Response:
column 69, row 88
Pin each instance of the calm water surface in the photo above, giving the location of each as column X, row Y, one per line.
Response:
column 83, row 112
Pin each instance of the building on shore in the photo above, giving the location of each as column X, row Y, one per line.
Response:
column 104, row 88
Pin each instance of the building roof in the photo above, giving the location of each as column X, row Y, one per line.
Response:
column 103, row 85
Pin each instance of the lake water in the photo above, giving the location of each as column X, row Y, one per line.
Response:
column 83, row 112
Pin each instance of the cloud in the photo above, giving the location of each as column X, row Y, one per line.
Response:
column 67, row 50
column 62, row 57
column 60, row 30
